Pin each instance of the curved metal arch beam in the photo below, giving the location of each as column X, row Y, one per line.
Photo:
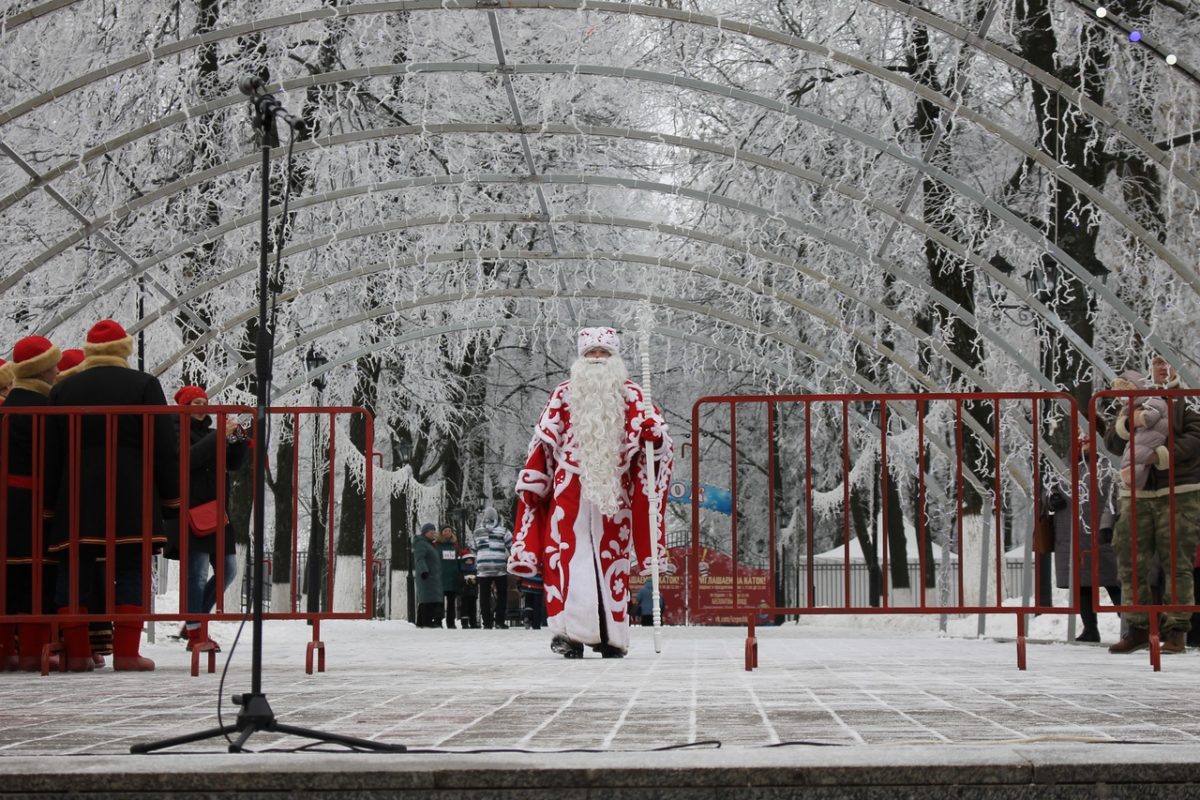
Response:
column 18, row 19
column 691, row 234
column 669, row 189
column 1097, row 287
column 707, row 343
column 952, row 29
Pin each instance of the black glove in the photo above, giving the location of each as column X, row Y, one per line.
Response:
column 1106, row 535
column 424, row 575
column 1056, row 502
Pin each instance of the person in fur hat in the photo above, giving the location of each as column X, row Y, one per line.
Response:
column 582, row 499
column 34, row 367
column 106, row 379
column 70, row 362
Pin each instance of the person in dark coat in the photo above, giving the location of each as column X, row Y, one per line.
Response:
column 427, row 570
column 1058, row 502
column 468, row 615
column 34, row 368
column 108, row 479
column 202, row 488
column 452, row 582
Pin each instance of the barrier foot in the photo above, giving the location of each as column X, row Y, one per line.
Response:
column 204, row 647
column 315, row 645
column 51, row 649
column 1021, row 641
column 1155, row 643
column 751, row 646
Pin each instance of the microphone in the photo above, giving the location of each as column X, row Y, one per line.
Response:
column 256, row 89
column 252, row 86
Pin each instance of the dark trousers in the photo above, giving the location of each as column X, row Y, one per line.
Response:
column 451, row 608
column 468, row 615
column 493, row 614
column 127, row 572
column 1193, row 637
column 534, row 611
column 18, row 596
column 1087, row 611
column 429, row 615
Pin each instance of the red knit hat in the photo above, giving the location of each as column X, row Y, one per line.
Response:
column 33, row 355
column 108, row 338
column 187, row 394
column 70, row 360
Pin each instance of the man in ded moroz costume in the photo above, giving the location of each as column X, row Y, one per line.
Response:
column 583, row 499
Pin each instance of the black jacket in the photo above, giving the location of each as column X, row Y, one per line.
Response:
column 202, row 480
column 121, row 463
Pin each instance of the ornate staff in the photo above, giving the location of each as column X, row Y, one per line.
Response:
column 651, row 495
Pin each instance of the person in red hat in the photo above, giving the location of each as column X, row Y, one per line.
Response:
column 70, row 362
column 202, row 488
column 81, row 491
column 34, row 367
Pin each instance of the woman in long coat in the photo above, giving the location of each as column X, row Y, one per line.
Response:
column 1059, row 504
column 427, row 578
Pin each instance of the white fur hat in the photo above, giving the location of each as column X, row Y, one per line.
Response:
column 605, row 338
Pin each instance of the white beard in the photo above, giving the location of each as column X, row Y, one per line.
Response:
column 597, row 403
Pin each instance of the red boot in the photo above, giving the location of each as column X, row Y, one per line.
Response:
column 127, row 640
column 8, row 647
column 34, row 636
column 75, row 639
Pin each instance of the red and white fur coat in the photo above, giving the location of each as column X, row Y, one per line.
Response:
column 582, row 556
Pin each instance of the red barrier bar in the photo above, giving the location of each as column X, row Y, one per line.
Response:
column 959, row 496
column 296, row 578
column 998, row 502
column 921, row 535
column 847, row 534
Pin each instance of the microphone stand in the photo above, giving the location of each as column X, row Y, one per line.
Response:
column 256, row 714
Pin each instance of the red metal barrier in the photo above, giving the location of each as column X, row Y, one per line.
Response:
column 55, row 437
column 974, row 453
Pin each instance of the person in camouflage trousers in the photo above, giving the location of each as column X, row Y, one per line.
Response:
column 1174, row 478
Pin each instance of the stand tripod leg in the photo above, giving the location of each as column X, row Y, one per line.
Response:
column 334, row 738
column 211, row 733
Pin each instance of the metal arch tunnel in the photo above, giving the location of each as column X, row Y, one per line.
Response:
column 1153, row 153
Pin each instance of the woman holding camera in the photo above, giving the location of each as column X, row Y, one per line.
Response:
column 202, row 520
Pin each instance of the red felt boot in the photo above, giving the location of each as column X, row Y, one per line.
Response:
column 34, row 636
column 8, row 647
column 127, row 640
column 78, row 646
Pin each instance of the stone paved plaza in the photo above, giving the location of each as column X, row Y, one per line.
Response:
column 821, row 696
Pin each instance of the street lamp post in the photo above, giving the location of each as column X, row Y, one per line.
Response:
column 315, row 362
